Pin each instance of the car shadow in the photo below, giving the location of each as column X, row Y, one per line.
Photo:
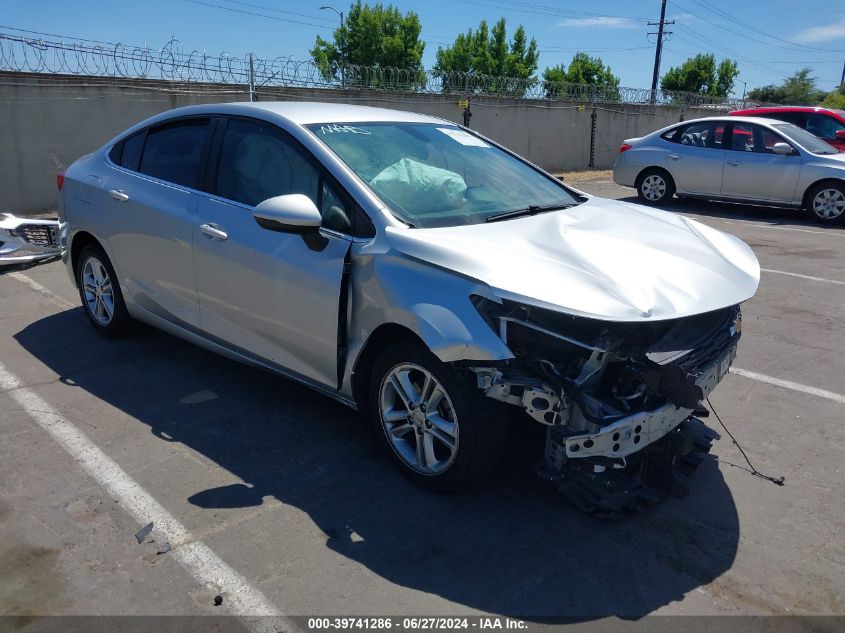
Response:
column 513, row 548
column 775, row 216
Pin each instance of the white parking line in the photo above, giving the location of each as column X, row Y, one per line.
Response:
column 822, row 279
column 829, row 233
column 37, row 287
column 199, row 560
column 788, row 384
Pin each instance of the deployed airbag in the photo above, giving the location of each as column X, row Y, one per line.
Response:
column 413, row 184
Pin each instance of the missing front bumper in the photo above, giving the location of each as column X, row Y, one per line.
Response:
column 632, row 434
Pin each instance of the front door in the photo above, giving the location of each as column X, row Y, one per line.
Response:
column 753, row 172
column 268, row 293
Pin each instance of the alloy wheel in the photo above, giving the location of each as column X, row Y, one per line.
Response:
column 97, row 290
column 418, row 418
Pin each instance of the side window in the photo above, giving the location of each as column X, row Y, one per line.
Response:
column 132, row 147
column 708, row 134
column 796, row 118
column 823, row 126
column 742, row 138
column 334, row 211
column 769, row 139
column 172, row 152
column 256, row 162
column 672, row 135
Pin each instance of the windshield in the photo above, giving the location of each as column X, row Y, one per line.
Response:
column 441, row 175
column 806, row 140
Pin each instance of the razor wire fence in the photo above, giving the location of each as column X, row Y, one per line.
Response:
column 173, row 63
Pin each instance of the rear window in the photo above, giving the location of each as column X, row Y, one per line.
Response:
column 172, row 152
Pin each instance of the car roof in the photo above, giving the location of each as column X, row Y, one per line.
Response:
column 731, row 119
column 307, row 112
column 776, row 109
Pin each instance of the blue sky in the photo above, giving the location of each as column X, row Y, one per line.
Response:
column 769, row 38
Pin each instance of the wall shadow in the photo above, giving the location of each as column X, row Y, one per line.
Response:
column 513, row 548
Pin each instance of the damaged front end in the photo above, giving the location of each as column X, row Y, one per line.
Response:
column 27, row 240
column 617, row 398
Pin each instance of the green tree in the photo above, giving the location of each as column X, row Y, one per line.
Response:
column 583, row 69
column 488, row 52
column 835, row 98
column 379, row 37
column 798, row 89
column 701, row 74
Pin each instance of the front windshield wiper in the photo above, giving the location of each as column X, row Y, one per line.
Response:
column 529, row 210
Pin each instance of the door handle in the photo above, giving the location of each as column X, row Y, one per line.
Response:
column 119, row 195
column 674, row 156
column 734, row 163
column 214, row 232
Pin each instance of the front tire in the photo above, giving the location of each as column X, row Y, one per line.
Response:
column 102, row 300
column 441, row 432
column 655, row 186
column 827, row 203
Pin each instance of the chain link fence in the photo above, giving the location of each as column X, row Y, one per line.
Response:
column 171, row 62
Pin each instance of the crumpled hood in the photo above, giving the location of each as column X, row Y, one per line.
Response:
column 603, row 259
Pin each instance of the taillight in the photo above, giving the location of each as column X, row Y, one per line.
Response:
column 60, row 180
column 624, row 147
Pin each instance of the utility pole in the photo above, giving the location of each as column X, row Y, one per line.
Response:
column 342, row 46
column 660, row 33
column 842, row 81
column 251, row 79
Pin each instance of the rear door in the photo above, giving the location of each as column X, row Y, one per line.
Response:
column 696, row 159
column 151, row 204
column 752, row 171
column 270, row 293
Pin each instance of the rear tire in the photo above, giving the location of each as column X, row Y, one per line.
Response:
column 655, row 186
column 441, row 432
column 826, row 203
column 99, row 290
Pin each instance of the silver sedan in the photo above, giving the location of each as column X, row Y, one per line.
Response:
column 740, row 159
column 419, row 272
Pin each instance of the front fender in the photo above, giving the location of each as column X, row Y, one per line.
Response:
column 433, row 303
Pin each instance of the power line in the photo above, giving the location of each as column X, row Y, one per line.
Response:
column 725, row 49
column 729, row 30
column 767, row 61
column 274, row 10
column 539, row 9
column 260, row 15
column 714, row 9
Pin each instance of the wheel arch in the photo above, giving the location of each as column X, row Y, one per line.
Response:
column 650, row 168
column 80, row 240
column 382, row 337
column 805, row 201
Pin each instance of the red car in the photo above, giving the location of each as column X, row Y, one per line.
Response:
column 827, row 124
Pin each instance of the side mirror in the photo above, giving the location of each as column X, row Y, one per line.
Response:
column 293, row 213
column 784, row 149
column 840, row 135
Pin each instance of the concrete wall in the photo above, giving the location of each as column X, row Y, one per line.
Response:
column 46, row 122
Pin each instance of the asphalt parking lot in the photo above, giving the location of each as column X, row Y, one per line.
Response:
column 286, row 490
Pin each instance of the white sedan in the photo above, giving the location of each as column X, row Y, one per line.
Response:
column 738, row 159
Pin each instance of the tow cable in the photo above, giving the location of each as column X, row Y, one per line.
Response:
column 751, row 469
